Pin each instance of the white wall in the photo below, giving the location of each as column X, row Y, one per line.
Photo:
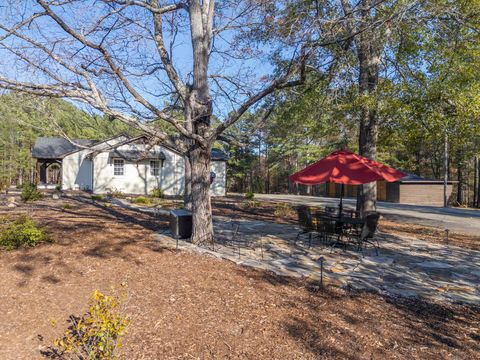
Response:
column 77, row 170
column 137, row 178
column 218, row 187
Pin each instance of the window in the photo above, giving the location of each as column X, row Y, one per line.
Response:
column 155, row 168
column 118, row 167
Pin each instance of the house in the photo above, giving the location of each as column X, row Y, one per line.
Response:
column 411, row 189
column 121, row 163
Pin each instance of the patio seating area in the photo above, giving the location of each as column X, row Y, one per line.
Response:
column 338, row 229
column 404, row 266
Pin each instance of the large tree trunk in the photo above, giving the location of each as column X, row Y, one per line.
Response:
column 368, row 53
column 201, row 206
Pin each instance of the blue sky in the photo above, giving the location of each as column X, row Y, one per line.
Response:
column 131, row 50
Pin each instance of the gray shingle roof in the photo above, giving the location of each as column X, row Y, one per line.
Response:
column 136, row 155
column 57, row 147
column 219, row 155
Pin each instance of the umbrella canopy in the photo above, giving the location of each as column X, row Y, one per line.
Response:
column 345, row 167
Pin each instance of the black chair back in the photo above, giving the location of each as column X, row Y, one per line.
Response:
column 305, row 219
column 370, row 226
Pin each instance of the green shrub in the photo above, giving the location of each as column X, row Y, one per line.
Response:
column 95, row 335
column 249, row 195
column 157, row 192
column 58, row 187
column 22, row 231
column 30, row 192
column 251, row 204
column 284, row 209
column 66, row 207
column 96, row 197
column 141, row 200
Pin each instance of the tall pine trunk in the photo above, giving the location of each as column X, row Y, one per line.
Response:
column 368, row 53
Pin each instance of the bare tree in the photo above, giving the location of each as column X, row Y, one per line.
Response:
column 148, row 64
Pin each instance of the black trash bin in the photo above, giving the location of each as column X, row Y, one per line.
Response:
column 181, row 223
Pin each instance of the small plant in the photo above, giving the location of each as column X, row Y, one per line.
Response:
column 97, row 334
column 284, row 210
column 96, row 197
column 22, row 231
column 67, row 207
column 58, row 188
column 251, row 204
column 249, row 195
column 157, row 192
column 30, row 192
column 141, row 200
column 115, row 193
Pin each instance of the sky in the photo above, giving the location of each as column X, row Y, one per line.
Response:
column 134, row 53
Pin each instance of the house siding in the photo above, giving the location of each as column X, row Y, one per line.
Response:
column 79, row 172
column 423, row 194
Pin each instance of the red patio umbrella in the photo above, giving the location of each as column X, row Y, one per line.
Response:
column 345, row 167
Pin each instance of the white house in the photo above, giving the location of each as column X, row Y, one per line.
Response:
column 129, row 165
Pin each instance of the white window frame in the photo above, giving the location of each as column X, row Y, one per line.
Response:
column 157, row 167
column 115, row 167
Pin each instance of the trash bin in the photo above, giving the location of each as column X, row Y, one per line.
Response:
column 181, row 223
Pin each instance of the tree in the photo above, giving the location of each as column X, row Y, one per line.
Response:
column 117, row 56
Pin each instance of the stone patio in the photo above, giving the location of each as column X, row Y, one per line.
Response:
column 405, row 266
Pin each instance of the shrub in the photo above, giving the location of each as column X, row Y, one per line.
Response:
column 249, row 195
column 58, row 187
column 95, row 335
column 141, row 200
column 115, row 193
column 157, row 192
column 22, row 231
column 30, row 193
column 96, row 197
column 66, row 207
column 284, row 209
column 251, row 204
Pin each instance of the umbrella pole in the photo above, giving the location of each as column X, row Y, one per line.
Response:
column 340, row 206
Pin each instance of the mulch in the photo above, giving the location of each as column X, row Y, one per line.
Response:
column 187, row 306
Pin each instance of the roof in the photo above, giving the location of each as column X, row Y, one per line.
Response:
column 219, row 155
column 137, row 155
column 413, row 178
column 57, row 147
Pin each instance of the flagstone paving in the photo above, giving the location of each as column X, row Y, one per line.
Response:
column 405, row 266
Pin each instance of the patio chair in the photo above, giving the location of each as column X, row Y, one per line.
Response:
column 305, row 222
column 366, row 235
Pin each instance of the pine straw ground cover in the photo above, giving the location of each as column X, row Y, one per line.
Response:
column 186, row 306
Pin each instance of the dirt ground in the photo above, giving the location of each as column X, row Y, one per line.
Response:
column 187, row 306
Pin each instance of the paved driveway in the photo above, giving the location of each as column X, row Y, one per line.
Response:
column 464, row 221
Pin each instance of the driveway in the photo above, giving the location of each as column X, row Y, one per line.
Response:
column 465, row 221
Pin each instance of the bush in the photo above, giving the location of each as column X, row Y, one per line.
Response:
column 20, row 232
column 66, row 207
column 58, row 187
column 115, row 193
column 141, row 200
column 249, row 195
column 251, row 204
column 95, row 335
column 30, row 192
column 284, row 209
column 96, row 197
column 157, row 192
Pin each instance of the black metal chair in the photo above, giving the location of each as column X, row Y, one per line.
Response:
column 367, row 233
column 305, row 222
